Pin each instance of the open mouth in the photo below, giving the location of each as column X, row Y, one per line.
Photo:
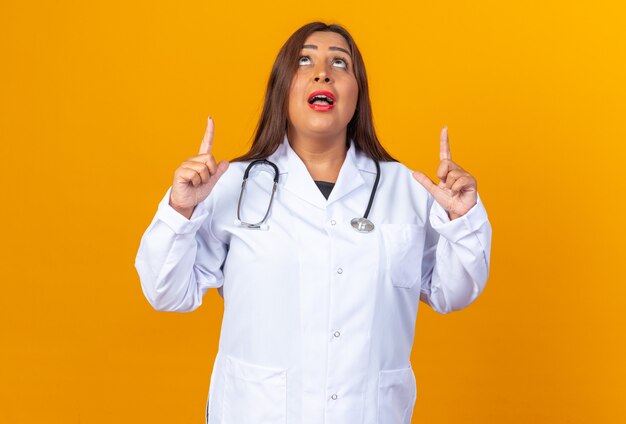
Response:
column 321, row 100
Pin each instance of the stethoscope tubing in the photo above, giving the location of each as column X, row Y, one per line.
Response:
column 359, row 224
column 243, row 187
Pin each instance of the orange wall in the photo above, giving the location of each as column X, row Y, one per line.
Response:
column 101, row 101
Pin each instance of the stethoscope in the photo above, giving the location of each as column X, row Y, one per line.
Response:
column 362, row 225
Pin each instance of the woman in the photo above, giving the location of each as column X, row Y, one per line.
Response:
column 319, row 307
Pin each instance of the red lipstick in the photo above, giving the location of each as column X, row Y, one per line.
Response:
column 330, row 98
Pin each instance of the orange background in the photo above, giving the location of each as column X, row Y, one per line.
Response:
column 101, row 101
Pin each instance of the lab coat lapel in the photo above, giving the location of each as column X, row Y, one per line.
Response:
column 299, row 180
column 349, row 178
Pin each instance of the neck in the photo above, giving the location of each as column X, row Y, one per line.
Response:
column 323, row 156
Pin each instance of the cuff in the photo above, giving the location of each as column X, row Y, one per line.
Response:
column 460, row 227
column 177, row 222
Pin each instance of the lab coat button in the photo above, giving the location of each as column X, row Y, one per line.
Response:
column 339, row 271
column 334, row 396
column 333, row 222
column 337, row 334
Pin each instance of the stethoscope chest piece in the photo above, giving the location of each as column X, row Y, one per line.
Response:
column 362, row 225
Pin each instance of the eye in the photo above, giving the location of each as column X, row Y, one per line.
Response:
column 304, row 60
column 340, row 62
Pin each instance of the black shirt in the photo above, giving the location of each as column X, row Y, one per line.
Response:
column 325, row 187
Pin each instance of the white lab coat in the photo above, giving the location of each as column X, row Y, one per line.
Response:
column 319, row 319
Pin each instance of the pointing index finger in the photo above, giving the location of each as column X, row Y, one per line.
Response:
column 207, row 141
column 444, row 145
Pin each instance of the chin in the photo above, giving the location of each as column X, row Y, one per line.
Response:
column 324, row 125
column 318, row 125
column 322, row 130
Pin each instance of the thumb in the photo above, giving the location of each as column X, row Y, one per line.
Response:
column 426, row 182
column 221, row 168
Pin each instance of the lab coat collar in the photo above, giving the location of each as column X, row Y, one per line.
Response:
column 296, row 179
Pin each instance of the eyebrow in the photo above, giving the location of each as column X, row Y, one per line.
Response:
column 313, row 46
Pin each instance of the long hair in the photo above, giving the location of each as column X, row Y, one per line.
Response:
column 272, row 126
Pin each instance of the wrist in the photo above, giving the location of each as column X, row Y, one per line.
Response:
column 186, row 212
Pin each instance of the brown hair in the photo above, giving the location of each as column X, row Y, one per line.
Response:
column 272, row 125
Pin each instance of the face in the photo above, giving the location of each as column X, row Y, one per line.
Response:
column 325, row 67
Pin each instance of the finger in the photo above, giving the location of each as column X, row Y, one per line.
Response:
column 188, row 175
column 463, row 184
column 459, row 185
column 439, row 195
column 454, row 175
column 445, row 166
column 444, row 145
column 202, row 158
column 207, row 141
column 221, row 168
column 210, row 163
column 201, row 168
column 205, row 159
column 443, row 169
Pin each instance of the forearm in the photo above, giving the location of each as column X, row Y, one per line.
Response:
column 461, row 260
column 166, row 261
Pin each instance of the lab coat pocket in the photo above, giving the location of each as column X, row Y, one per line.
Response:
column 396, row 396
column 404, row 247
column 254, row 393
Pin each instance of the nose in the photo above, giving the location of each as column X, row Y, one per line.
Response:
column 321, row 75
column 324, row 78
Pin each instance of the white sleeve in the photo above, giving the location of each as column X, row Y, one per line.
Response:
column 179, row 259
column 456, row 259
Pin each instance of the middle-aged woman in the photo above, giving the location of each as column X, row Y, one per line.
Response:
column 319, row 305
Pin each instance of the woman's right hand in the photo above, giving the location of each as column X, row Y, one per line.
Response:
column 195, row 178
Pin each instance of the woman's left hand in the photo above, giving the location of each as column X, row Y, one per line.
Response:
column 456, row 192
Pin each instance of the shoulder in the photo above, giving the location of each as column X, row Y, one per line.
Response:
column 395, row 168
column 398, row 173
column 398, row 182
column 395, row 177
